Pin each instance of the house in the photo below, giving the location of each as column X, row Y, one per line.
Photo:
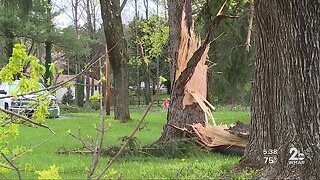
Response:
column 63, row 90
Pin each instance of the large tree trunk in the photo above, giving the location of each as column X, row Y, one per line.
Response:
column 112, row 23
column 178, row 115
column 9, row 43
column 286, row 99
column 48, row 61
column 233, row 95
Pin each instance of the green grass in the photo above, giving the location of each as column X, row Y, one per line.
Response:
column 74, row 166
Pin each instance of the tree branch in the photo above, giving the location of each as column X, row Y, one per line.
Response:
column 11, row 164
column 100, row 134
column 56, row 86
column 85, row 145
column 110, row 162
column 250, row 25
column 27, row 119
column 124, row 2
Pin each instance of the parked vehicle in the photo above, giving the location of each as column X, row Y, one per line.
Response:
column 22, row 104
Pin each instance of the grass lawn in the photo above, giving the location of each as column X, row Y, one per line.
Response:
column 74, row 166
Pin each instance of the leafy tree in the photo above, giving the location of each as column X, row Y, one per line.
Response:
column 12, row 10
column 67, row 98
column 231, row 66
column 114, row 35
column 150, row 43
column 28, row 82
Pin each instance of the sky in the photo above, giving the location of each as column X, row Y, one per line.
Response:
column 65, row 18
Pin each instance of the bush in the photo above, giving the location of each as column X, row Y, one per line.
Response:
column 66, row 108
column 89, row 106
column 67, row 98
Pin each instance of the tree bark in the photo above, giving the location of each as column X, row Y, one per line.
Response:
column 146, row 79
column 286, row 100
column 113, row 29
column 48, row 58
column 233, row 94
column 178, row 115
column 9, row 44
column 48, row 46
column 138, row 90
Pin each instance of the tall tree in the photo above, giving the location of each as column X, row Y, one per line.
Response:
column 112, row 23
column 286, row 101
column 48, row 45
column 79, row 88
column 13, row 10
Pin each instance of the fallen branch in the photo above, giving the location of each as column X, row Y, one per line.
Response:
column 81, row 140
column 218, row 138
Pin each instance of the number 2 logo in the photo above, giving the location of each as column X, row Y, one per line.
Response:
column 296, row 155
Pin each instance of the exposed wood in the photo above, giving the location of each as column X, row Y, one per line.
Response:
column 108, row 84
column 218, row 138
column 183, row 110
column 250, row 25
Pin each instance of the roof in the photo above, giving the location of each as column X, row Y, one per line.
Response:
column 65, row 77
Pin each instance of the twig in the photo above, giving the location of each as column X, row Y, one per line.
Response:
column 100, row 135
column 22, row 153
column 82, row 141
column 110, row 162
column 6, row 122
column 124, row 2
column 142, row 152
column 7, row 167
column 11, row 164
column 4, row 177
column 54, row 87
column 250, row 25
column 27, row 119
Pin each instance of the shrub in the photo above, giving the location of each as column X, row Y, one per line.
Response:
column 67, row 98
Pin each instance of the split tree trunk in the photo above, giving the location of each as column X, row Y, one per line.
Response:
column 112, row 23
column 179, row 115
column 286, row 99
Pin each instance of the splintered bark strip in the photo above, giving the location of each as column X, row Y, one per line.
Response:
column 250, row 25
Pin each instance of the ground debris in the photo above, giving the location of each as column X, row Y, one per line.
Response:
column 219, row 138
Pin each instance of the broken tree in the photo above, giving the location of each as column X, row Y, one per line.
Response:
column 118, row 56
column 188, row 103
